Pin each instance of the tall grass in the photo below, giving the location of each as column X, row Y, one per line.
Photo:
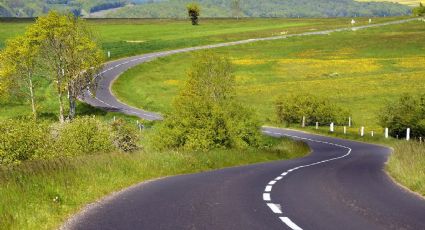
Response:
column 407, row 165
column 43, row 194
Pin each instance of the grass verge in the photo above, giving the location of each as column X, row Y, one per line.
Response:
column 406, row 165
column 43, row 194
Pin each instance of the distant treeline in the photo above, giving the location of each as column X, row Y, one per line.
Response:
column 209, row 8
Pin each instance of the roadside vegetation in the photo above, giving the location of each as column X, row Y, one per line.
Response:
column 406, row 165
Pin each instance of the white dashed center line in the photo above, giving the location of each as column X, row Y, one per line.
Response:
column 276, row 208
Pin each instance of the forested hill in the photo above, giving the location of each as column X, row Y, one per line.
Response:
column 210, row 8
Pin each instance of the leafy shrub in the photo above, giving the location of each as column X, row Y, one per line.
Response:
column 407, row 112
column 124, row 136
column 83, row 135
column 205, row 115
column 293, row 108
column 419, row 11
column 22, row 140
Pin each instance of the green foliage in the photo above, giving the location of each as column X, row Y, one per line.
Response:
column 293, row 108
column 194, row 11
column 85, row 135
column 70, row 55
column 22, row 140
column 125, row 137
column 419, row 11
column 407, row 112
column 205, row 115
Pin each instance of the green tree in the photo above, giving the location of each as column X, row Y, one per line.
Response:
column 236, row 8
column 70, row 54
column 407, row 112
column 291, row 110
column 205, row 114
column 19, row 64
column 194, row 11
column 419, row 11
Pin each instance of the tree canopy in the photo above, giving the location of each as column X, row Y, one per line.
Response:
column 205, row 114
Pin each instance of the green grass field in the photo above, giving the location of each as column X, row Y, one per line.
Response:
column 359, row 70
column 42, row 195
column 125, row 37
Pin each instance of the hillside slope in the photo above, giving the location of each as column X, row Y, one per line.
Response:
column 265, row 8
column 210, row 8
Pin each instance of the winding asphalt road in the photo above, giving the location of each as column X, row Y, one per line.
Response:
column 341, row 185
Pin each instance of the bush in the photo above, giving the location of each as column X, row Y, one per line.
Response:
column 419, row 11
column 205, row 115
column 83, row 135
column 124, row 136
column 407, row 112
column 27, row 140
column 293, row 108
column 22, row 140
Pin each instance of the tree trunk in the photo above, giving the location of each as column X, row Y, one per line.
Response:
column 60, row 95
column 72, row 102
column 32, row 96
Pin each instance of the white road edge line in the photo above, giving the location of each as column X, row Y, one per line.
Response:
column 266, row 196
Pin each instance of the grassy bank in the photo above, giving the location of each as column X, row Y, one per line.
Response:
column 41, row 195
column 406, row 165
column 126, row 37
column 355, row 69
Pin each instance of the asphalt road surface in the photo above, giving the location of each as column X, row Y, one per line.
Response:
column 341, row 185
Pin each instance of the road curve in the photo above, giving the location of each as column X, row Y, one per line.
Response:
column 106, row 100
column 329, row 190
column 340, row 185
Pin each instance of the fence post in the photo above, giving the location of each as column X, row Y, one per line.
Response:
column 332, row 128
column 408, row 134
column 362, row 131
column 317, row 125
column 303, row 123
column 386, row 133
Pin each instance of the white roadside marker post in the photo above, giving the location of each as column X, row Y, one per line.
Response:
column 109, row 54
column 420, row 139
column 362, row 131
column 349, row 122
column 345, row 129
column 317, row 125
column 332, row 128
column 408, row 134
column 372, row 133
column 303, row 122
column 386, row 133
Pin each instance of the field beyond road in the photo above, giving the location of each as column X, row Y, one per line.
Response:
column 359, row 70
